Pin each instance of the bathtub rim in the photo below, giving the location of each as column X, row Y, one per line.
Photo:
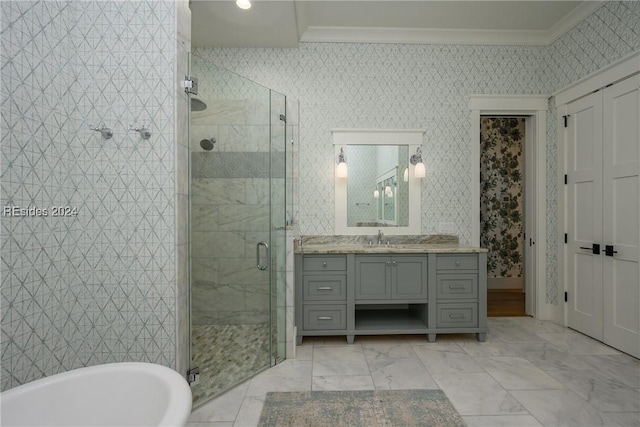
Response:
column 176, row 412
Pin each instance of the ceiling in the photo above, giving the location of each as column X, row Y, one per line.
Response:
column 286, row 23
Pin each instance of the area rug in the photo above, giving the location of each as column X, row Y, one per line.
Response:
column 366, row 408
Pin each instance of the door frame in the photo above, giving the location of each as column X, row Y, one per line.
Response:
column 534, row 107
column 616, row 71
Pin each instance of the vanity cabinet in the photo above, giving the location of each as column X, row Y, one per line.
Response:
column 370, row 294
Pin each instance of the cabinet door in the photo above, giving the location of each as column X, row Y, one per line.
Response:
column 373, row 277
column 409, row 277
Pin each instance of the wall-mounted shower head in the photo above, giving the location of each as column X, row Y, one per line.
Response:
column 197, row 105
column 207, row 144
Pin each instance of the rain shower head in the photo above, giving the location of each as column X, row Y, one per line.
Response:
column 197, row 105
column 207, row 144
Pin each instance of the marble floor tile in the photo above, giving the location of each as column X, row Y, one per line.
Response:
column 516, row 373
column 548, row 358
column 600, row 391
column 625, row 419
column 304, row 351
column 486, row 349
column 339, row 360
column 578, row 344
column 501, row 421
column 223, row 408
column 448, row 358
column 478, row 394
column 400, row 374
column 290, row 375
column 388, row 350
column 249, row 412
column 342, row 382
column 622, row 367
column 211, row 424
column 513, row 333
column 560, row 408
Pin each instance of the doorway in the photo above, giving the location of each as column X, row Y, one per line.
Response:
column 502, row 211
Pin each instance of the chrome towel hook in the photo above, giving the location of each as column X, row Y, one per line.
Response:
column 104, row 131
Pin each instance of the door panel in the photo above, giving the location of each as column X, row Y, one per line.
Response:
column 410, row 277
column 373, row 278
column 621, row 217
column 584, row 214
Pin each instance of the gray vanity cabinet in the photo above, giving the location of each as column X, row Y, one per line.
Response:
column 401, row 293
column 391, row 278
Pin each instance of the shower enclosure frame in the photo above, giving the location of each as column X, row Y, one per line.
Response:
column 276, row 168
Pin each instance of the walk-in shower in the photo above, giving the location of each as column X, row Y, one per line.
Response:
column 238, row 203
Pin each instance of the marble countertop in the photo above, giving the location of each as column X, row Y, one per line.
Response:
column 389, row 249
column 359, row 245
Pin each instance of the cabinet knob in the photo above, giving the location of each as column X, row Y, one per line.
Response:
column 324, row 264
column 394, row 263
column 457, row 263
column 388, row 262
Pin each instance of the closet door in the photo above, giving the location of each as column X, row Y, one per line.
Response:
column 621, row 218
column 584, row 215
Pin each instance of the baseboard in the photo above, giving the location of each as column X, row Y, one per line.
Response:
column 505, row 283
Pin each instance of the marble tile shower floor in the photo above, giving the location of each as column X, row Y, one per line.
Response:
column 227, row 355
column 527, row 373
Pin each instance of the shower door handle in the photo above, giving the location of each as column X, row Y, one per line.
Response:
column 266, row 264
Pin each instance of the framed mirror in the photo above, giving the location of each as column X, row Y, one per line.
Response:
column 380, row 191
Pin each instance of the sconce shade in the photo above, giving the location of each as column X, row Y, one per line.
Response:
column 405, row 176
column 419, row 170
column 376, row 194
column 341, row 168
column 243, row 4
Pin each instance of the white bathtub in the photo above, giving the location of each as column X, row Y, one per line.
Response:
column 116, row 394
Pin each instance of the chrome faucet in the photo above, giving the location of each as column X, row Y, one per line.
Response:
column 380, row 236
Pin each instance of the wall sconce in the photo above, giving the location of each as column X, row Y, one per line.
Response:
column 416, row 159
column 341, row 169
column 243, row 4
column 376, row 193
column 405, row 175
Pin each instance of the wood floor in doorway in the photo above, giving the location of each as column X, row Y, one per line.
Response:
column 505, row 302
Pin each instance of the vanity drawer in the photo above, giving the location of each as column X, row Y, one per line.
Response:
column 452, row 286
column 457, row 262
column 461, row 315
column 319, row 317
column 324, row 287
column 324, row 263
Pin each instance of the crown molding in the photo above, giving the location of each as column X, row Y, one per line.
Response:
column 422, row 36
column 321, row 34
column 570, row 20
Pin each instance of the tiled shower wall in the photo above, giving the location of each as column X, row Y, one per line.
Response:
column 343, row 85
column 100, row 286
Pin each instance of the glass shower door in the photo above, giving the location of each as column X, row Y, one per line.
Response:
column 235, row 175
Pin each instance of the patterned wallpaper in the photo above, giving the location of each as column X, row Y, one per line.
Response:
column 98, row 286
column 502, row 194
column 343, row 85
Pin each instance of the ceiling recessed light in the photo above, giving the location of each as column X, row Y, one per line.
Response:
column 243, row 4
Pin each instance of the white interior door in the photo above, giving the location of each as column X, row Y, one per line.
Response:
column 621, row 217
column 584, row 215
